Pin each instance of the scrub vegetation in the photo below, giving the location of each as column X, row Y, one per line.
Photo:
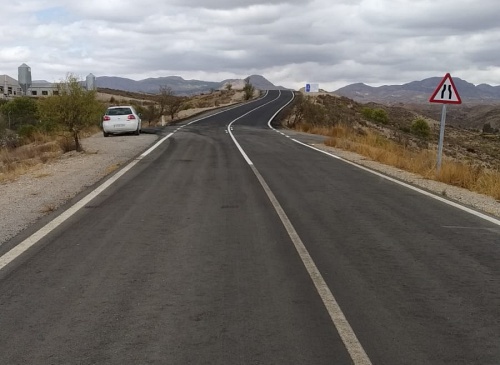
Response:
column 34, row 131
column 401, row 138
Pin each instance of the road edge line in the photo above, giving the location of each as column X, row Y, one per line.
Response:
column 34, row 238
column 389, row 178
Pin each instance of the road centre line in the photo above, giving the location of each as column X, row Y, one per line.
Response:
column 349, row 338
column 29, row 242
column 230, row 128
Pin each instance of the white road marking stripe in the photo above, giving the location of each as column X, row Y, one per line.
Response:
column 230, row 128
column 414, row 188
column 426, row 193
column 351, row 342
column 29, row 242
column 349, row 338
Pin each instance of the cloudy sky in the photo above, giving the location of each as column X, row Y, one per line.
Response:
column 332, row 42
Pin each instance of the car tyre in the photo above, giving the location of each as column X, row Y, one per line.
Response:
column 138, row 131
column 105, row 134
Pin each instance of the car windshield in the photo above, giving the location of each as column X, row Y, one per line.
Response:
column 119, row 111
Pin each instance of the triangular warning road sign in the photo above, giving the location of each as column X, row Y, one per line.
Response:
column 446, row 92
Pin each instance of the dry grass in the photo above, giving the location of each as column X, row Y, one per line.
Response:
column 39, row 148
column 42, row 175
column 20, row 160
column 48, row 208
column 112, row 168
column 423, row 162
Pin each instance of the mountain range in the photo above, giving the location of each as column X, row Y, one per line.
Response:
column 179, row 85
column 417, row 92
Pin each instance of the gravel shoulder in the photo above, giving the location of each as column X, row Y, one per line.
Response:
column 41, row 191
column 479, row 202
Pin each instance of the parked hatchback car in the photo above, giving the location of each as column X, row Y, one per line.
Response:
column 121, row 119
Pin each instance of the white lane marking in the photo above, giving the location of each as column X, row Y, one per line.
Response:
column 414, row 188
column 229, row 128
column 494, row 230
column 418, row 190
column 29, row 242
column 351, row 342
column 275, row 114
column 349, row 338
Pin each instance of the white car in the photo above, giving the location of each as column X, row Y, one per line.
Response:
column 121, row 119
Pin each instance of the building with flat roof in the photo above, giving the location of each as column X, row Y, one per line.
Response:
column 9, row 87
column 43, row 89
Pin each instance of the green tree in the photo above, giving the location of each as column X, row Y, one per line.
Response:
column 248, row 89
column 421, row 128
column 74, row 108
column 20, row 111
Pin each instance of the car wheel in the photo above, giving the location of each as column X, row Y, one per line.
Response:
column 105, row 134
column 138, row 131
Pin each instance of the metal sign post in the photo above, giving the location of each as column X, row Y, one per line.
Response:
column 441, row 139
column 445, row 93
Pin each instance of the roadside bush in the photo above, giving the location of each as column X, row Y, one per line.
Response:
column 187, row 106
column 488, row 129
column 248, row 89
column 367, row 113
column 203, row 104
column 20, row 111
column 67, row 143
column 377, row 115
column 9, row 139
column 421, row 128
column 380, row 116
column 26, row 131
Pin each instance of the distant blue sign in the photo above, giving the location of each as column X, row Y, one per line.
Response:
column 312, row 88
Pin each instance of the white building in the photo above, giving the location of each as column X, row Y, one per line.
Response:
column 42, row 89
column 9, row 87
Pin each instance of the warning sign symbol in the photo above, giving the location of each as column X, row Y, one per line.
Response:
column 446, row 92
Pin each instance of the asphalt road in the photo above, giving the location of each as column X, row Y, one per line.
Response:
column 185, row 260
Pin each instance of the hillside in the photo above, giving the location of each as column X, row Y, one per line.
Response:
column 472, row 117
column 328, row 110
column 419, row 92
column 179, row 85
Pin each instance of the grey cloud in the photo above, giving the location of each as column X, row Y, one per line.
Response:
column 372, row 41
column 233, row 4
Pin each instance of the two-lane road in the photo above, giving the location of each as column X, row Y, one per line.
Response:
column 186, row 260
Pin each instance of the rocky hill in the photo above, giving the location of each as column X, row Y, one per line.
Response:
column 179, row 85
column 419, row 92
column 473, row 117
